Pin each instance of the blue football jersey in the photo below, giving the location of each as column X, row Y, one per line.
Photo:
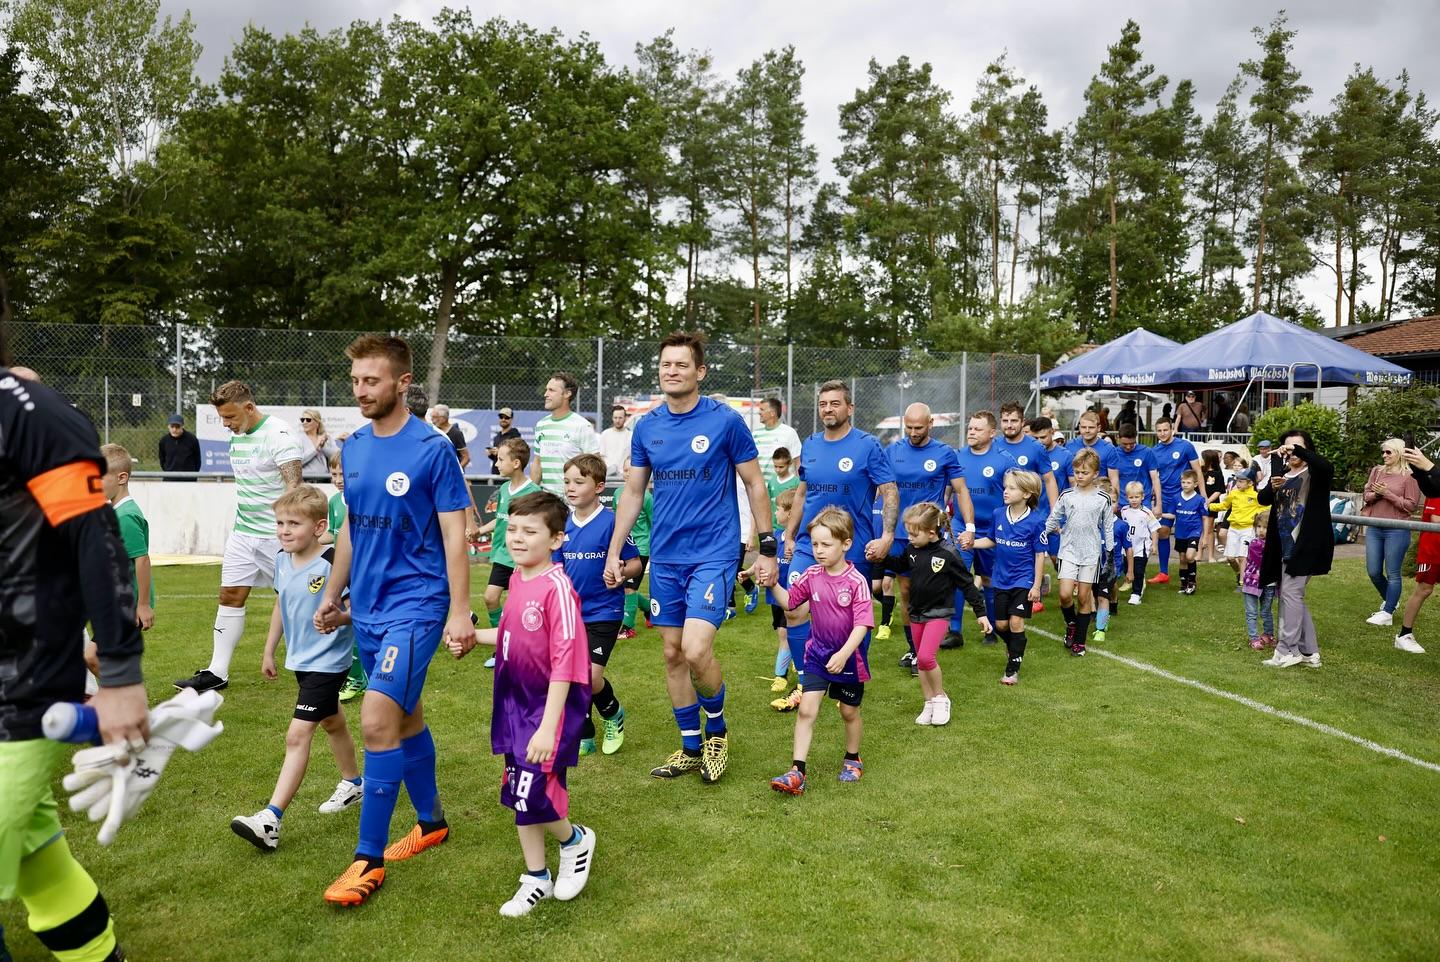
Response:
column 1173, row 460
column 842, row 474
column 1189, row 515
column 1136, row 465
column 1122, row 542
column 1027, row 453
column 1017, row 542
column 921, row 474
column 587, row 544
column 395, row 489
column 1109, row 453
column 985, row 477
column 692, row 459
column 1060, row 459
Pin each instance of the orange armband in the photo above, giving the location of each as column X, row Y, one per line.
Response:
column 68, row 491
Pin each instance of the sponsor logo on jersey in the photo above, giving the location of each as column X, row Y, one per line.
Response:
column 398, row 484
column 316, row 583
column 700, row 444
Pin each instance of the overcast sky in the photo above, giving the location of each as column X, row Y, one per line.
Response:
column 1054, row 44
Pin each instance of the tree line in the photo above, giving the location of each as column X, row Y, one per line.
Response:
column 492, row 178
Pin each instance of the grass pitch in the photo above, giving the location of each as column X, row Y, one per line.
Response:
column 1096, row 811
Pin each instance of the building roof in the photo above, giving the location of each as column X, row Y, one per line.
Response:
column 1418, row 335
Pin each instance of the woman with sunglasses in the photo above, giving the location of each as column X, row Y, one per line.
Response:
column 1390, row 492
column 317, row 448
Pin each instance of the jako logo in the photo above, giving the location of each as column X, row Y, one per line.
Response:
column 398, row 484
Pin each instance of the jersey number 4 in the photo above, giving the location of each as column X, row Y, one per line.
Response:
column 710, row 593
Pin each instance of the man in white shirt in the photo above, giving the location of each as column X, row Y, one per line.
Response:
column 771, row 435
column 615, row 443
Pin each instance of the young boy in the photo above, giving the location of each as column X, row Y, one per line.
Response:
column 320, row 662
column 134, row 530
column 542, row 694
column 1085, row 518
column 356, row 683
column 1189, row 514
column 587, row 542
column 511, row 457
column 640, row 534
column 784, row 503
column 1144, row 529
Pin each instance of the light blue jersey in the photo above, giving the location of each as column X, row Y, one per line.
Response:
column 298, row 592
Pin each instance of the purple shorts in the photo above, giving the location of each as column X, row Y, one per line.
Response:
column 537, row 796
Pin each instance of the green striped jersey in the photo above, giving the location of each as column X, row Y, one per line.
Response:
column 767, row 440
column 558, row 442
column 640, row 533
column 499, row 552
column 255, row 459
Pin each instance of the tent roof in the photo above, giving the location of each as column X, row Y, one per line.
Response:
column 1105, row 365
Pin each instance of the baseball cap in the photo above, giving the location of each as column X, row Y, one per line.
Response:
column 176, row 419
column 506, row 413
column 1264, row 444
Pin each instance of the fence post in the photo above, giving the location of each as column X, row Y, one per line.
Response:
column 178, row 408
column 107, row 409
column 324, row 392
column 964, row 389
column 790, row 382
column 599, row 379
column 1037, row 385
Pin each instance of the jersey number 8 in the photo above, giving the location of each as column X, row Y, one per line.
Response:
column 387, row 664
column 522, row 791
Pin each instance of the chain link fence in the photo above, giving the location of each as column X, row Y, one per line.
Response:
column 130, row 379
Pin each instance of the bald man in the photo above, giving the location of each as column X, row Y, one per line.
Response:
column 925, row 470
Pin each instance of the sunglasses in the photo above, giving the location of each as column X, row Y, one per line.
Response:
column 306, row 420
column 505, row 417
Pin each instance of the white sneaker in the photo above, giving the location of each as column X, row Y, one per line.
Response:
column 531, row 891
column 1278, row 660
column 347, row 793
column 1134, row 599
column 575, row 865
column 490, row 662
column 1381, row 618
column 1310, row 661
column 261, row 830
column 927, row 714
column 940, row 715
column 1407, row 642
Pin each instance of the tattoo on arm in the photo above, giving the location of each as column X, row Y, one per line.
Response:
column 890, row 510
column 290, row 474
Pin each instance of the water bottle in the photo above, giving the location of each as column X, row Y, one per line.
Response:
column 68, row 722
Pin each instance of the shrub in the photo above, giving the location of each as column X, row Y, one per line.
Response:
column 1375, row 416
column 1321, row 423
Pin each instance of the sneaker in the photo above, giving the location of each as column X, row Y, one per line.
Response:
column 752, row 601
column 1037, row 607
column 676, row 765
column 1407, row 642
column 1044, row 585
column 1381, row 619
column 417, row 841
column 614, row 735
column 490, row 662
column 927, row 713
column 347, row 793
column 626, row 634
column 1009, row 679
column 915, row 670
column 729, row 614
column 851, row 769
column 261, row 830
column 575, row 865
column 587, row 747
column 1124, row 586
column 789, row 703
column 1269, row 639
column 352, row 688
column 779, row 684
column 1310, row 661
column 714, row 757
column 1278, row 660
column 882, row 633
column 1099, row 635
column 202, row 681
column 1160, row 579
column 907, row 660
column 1135, row 600
column 791, row 783
column 1069, row 641
column 953, row 639
column 532, row 890
column 941, row 713
column 1078, row 649
column 356, row 884
column 1257, row 643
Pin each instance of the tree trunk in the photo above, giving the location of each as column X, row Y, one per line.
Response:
column 449, row 280
column 1394, row 270
column 1015, row 244
column 1260, row 240
column 1339, row 239
column 1114, row 262
column 995, row 233
column 1354, row 271
column 789, row 226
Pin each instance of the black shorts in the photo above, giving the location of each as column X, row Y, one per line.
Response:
column 850, row 693
column 500, row 575
column 1104, row 589
column 1183, row 545
column 319, row 696
column 1223, row 523
column 777, row 616
column 601, row 636
column 1012, row 603
column 634, row 583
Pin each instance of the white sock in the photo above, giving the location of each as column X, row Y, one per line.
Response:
column 229, row 629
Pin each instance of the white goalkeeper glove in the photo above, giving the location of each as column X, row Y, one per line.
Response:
column 110, row 783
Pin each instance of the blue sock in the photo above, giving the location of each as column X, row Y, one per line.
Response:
column 1164, row 556
column 714, row 707
column 1102, row 618
column 797, row 636
column 419, row 752
column 574, row 838
column 279, row 812
column 383, row 773
column 782, row 662
column 543, row 874
column 957, row 620
column 989, row 594
column 356, row 780
column 688, row 718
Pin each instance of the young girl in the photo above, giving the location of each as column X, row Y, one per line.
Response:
column 935, row 572
column 1259, row 598
column 1085, row 518
column 1427, row 572
column 1144, row 530
column 1240, row 504
column 1020, row 547
column 841, row 617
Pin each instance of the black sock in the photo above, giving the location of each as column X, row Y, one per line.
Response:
column 852, row 756
column 1407, row 629
column 587, row 727
column 1068, row 614
column 747, row 584
column 435, row 826
column 1082, row 627
column 605, row 701
column 692, row 752
column 1002, row 635
column 1015, row 646
column 371, row 861
column 887, row 608
column 799, row 764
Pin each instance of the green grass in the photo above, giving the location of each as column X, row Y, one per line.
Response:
column 1093, row 812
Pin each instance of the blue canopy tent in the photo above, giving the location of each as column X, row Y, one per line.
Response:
column 1106, row 365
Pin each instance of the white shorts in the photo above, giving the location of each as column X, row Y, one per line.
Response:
column 1237, row 542
column 1078, row 572
column 249, row 561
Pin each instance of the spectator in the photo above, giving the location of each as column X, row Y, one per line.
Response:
column 1220, row 412
column 1390, row 492
column 440, row 417
column 1167, row 413
column 772, row 435
column 316, row 448
column 615, row 443
column 1299, row 542
column 1241, row 423
column 503, row 433
column 1214, row 489
column 1105, row 420
column 1191, row 414
column 1424, row 471
column 179, row 449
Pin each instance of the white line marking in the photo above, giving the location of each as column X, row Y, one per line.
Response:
column 1252, row 703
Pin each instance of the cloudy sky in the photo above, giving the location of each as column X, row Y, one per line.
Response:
column 1055, row 44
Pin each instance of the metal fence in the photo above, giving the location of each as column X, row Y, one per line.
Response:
column 129, row 379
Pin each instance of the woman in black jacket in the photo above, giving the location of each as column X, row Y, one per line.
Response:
column 1299, row 543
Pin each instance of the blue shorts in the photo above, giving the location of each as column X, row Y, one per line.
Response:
column 681, row 591
column 980, row 561
column 536, row 796
column 397, row 656
column 1052, row 545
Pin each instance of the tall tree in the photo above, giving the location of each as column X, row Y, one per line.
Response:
column 992, row 113
column 785, row 117
column 34, row 176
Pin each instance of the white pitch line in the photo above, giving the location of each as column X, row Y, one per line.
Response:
column 1253, row 704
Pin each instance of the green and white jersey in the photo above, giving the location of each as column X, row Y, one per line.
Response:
column 768, row 440
column 255, row 459
column 774, row 487
column 560, row 440
column 499, row 553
